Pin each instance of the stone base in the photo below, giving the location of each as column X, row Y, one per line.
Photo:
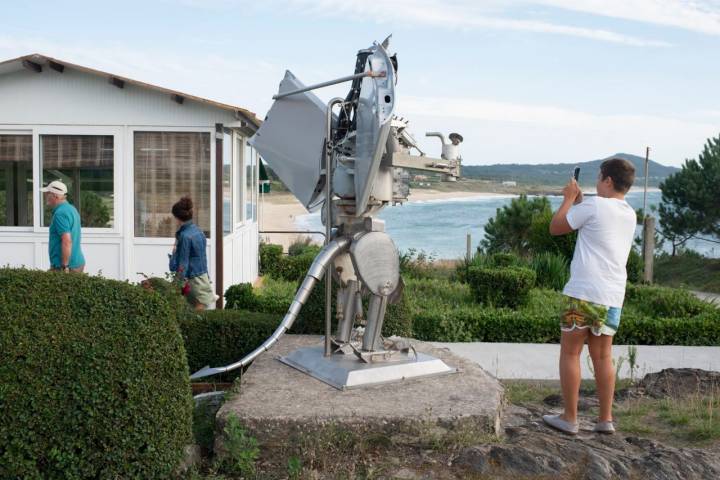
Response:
column 282, row 406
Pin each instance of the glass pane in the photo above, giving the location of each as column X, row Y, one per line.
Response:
column 168, row 166
column 16, row 181
column 227, row 184
column 249, row 177
column 238, row 151
column 84, row 163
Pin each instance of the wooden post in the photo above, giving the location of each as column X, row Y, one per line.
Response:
column 648, row 248
column 468, row 255
column 220, row 290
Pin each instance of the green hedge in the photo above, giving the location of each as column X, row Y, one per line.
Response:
column 286, row 267
column 221, row 337
column 501, row 287
column 450, row 318
column 275, row 296
column 665, row 302
column 93, row 379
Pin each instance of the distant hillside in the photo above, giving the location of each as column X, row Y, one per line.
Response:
column 558, row 173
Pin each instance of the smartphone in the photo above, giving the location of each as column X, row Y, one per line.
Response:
column 576, row 174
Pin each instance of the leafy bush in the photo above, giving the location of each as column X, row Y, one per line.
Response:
column 665, row 302
column 551, row 270
column 275, row 296
column 540, row 240
column 240, row 297
column 634, row 267
column 494, row 260
column 286, row 267
column 270, row 256
column 501, row 287
column 510, row 229
column 93, row 379
column 302, row 246
column 221, row 337
column 416, row 264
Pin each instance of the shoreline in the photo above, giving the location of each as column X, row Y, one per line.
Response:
column 279, row 211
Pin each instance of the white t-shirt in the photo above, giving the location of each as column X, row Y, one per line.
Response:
column 606, row 231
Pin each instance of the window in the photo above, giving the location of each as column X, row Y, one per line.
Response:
column 168, row 166
column 238, row 153
column 84, row 163
column 227, row 193
column 16, row 181
column 250, row 190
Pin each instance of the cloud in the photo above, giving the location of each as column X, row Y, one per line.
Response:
column 457, row 14
column 696, row 15
column 503, row 132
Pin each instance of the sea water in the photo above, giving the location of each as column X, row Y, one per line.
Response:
column 439, row 227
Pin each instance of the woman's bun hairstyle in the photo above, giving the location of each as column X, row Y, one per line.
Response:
column 183, row 209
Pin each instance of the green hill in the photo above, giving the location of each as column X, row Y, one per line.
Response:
column 558, row 173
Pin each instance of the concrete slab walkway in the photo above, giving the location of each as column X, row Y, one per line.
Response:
column 540, row 361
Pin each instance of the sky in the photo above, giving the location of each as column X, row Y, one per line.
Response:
column 524, row 81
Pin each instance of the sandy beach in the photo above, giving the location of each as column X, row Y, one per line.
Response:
column 279, row 211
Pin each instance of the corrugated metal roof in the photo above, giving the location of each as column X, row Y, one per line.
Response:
column 16, row 64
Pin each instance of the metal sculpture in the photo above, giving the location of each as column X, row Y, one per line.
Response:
column 352, row 162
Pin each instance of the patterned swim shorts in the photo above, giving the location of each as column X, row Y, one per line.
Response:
column 601, row 320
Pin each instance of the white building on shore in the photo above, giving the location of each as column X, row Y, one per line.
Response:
column 127, row 151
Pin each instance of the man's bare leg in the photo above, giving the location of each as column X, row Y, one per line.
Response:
column 601, row 353
column 571, row 345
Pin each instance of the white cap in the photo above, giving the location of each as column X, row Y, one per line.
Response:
column 56, row 187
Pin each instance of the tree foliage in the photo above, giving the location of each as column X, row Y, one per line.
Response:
column 510, row 229
column 691, row 198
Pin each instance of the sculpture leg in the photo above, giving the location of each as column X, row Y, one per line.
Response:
column 375, row 318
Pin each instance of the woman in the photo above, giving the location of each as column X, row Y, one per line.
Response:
column 188, row 260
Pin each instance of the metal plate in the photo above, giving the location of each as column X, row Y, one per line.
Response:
column 377, row 262
column 374, row 114
column 346, row 371
column 291, row 141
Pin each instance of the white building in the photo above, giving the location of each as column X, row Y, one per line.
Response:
column 127, row 151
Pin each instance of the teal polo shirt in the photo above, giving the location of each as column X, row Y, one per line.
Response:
column 65, row 219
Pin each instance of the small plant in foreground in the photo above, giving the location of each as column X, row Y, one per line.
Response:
column 294, row 467
column 240, row 450
column 632, row 360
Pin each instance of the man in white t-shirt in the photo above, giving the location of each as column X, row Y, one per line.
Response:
column 596, row 290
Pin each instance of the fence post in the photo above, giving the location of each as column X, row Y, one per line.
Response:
column 468, row 255
column 648, row 248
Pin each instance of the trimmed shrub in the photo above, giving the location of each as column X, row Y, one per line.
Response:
column 240, row 297
column 286, row 267
column 275, row 297
column 634, row 267
column 665, row 302
column 270, row 256
column 302, row 246
column 551, row 270
column 505, row 259
column 506, row 287
column 221, row 337
column 541, row 241
column 93, row 379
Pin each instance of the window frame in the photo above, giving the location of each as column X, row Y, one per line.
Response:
column 239, row 178
column 10, row 130
column 130, row 172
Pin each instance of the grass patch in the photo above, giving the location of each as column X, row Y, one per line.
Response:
column 692, row 271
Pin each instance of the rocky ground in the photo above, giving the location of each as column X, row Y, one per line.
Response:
column 668, row 428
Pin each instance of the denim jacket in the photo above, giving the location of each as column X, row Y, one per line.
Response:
column 189, row 259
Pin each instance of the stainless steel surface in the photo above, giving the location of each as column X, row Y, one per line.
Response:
column 329, row 83
column 329, row 159
column 376, row 261
column 347, row 318
column 375, row 317
column 375, row 108
column 346, row 372
column 315, row 274
column 291, row 140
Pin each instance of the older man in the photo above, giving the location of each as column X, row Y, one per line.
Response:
column 64, row 246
